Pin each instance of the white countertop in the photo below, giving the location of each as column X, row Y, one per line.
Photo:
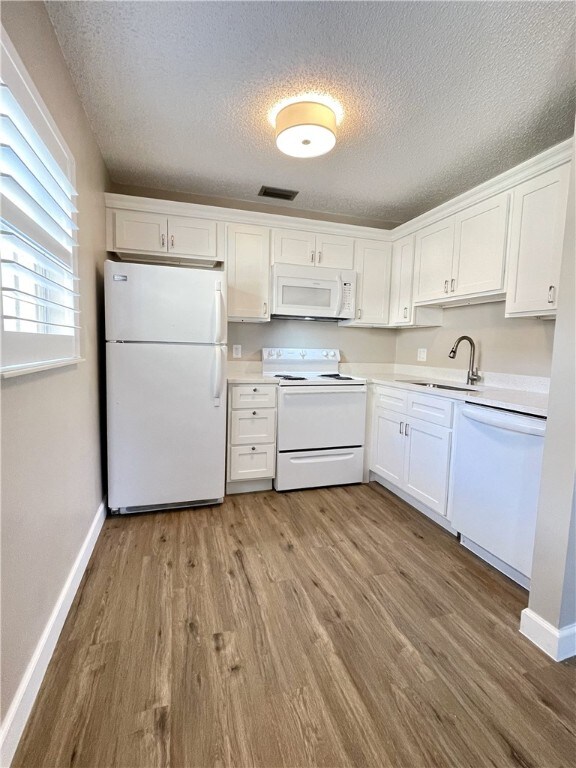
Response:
column 533, row 403
column 524, row 401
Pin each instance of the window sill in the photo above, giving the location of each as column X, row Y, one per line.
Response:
column 22, row 370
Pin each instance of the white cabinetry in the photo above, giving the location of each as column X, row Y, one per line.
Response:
column 463, row 256
column 251, row 437
column 248, row 268
column 291, row 246
column 402, row 310
column 536, row 240
column 372, row 264
column 411, row 438
column 139, row 235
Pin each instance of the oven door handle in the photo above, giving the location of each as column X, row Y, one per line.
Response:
column 288, row 392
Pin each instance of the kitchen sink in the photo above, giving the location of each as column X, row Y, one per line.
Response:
column 442, row 386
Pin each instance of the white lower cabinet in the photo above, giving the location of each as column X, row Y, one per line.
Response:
column 413, row 453
column 251, row 437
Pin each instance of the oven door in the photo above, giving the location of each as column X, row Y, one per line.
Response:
column 318, row 417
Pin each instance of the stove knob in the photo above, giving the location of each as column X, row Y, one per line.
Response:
column 270, row 353
column 325, row 353
column 332, row 354
column 302, row 353
column 279, row 353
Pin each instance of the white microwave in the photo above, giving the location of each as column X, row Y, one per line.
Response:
column 310, row 292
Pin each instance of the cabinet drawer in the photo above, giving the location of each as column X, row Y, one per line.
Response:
column 251, row 462
column 254, row 395
column 390, row 397
column 252, row 426
column 437, row 410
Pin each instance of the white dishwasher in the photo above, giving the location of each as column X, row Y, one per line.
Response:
column 494, row 486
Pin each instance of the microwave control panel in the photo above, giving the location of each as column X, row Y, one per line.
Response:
column 347, row 299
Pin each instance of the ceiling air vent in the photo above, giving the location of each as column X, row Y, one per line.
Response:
column 277, row 193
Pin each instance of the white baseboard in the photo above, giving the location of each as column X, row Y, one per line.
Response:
column 558, row 643
column 23, row 701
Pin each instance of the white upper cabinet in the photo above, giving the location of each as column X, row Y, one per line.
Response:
column 291, row 246
column 248, row 268
column 191, row 237
column 463, row 255
column 536, row 241
column 372, row 264
column 480, row 248
column 140, row 232
column 433, row 261
column 161, row 237
column 334, row 251
column 401, row 281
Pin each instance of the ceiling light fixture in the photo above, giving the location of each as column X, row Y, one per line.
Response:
column 305, row 129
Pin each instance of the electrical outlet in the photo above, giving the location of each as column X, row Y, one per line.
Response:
column 237, row 350
column 422, row 355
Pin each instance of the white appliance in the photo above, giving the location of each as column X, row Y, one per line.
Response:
column 166, row 386
column 495, row 484
column 313, row 293
column 321, row 419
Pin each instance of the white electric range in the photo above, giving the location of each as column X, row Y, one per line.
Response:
column 321, row 419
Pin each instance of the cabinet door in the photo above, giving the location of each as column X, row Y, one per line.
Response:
column 433, row 261
column 192, row 237
column 536, row 240
column 251, row 462
column 249, row 427
column 388, row 445
column 480, row 247
column 427, row 463
column 248, row 268
column 372, row 264
column 334, row 251
column 401, row 281
column 289, row 246
column 140, row 232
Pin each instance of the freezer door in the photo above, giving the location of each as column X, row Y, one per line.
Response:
column 166, row 423
column 150, row 302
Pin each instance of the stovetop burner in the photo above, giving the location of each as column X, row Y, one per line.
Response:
column 288, row 377
column 336, row 376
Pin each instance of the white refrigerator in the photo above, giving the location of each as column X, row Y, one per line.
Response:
column 165, row 385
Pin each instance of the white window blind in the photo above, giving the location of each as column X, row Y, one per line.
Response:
column 38, row 233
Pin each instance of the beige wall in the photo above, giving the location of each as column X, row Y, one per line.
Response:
column 553, row 585
column 505, row 345
column 51, row 463
column 356, row 345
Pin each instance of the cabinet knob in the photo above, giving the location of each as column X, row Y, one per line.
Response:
column 253, row 413
column 255, row 389
column 253, row 448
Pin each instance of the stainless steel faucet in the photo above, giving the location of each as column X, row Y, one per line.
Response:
column 473, row 375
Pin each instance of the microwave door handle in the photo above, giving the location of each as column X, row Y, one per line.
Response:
column 339, row 296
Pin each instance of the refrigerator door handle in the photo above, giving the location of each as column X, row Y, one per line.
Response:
column 218, row 374
column 218, row 313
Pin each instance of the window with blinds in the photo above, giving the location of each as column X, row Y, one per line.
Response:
column 38, row 233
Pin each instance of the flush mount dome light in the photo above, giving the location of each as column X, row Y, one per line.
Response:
column 305, row 129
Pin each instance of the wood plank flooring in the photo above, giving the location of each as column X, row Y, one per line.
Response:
column 333, row 627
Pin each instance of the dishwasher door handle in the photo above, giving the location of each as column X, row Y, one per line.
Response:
column 527, row 425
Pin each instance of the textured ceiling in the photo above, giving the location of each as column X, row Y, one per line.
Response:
column 438, row 96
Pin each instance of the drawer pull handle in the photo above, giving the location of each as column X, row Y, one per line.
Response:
column 172, row 241
column 405, row 311
column 406, row 430
column 551, row 294
column 445, row 286
column 401, row 427
column 312, row 257
column 452, row 285
column 163, row 240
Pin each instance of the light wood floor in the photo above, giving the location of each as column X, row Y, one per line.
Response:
column 330, row 627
